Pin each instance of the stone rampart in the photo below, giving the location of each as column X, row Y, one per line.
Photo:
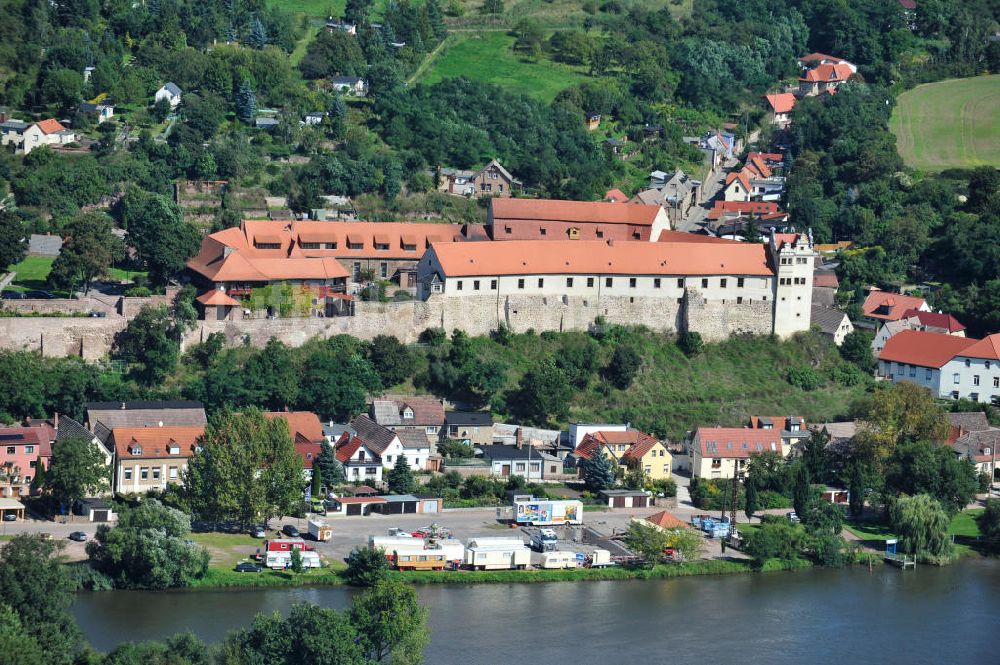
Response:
column 89, row 338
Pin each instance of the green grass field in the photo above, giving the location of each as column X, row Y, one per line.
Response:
column 34, row 270
column 319, row 8
column 949, row 124
column 487, row 56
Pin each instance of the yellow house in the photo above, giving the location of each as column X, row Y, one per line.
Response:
column 631, row 449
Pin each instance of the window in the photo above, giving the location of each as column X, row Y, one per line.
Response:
column 723, row 282
column 600, row 234
column 608, row 281
column 739, row 300
column 927, row 375
column 458, row 285
column 536, row 467
column 355, row 245
column 388, row 458
column 156, row 473
column 29, row 449
column 383, row 269
column 955, row 378
column 975, row 380
column 136, row 450
column 357, row 270
column 968, row 363
column 631, row 282
column 431, row 429
column 739, row 282
column 493, row 285
column 974, row 397
column 11, row 450
column 704, row 283
column 506, row 229
column 144, row 473
column 128, row 474
column 541, row 282
column 174, row 450
column 590, row 282
column 475, row 285
column 680, row 282
column 636, row 235
column 520, row 283
column 656, row 282
column 519, row 466
column 996, row 381
column 987, row 364
column 954, row 394
column 569, row 282
column 172, row 473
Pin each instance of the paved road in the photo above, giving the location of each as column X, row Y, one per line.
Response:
column 710, row 190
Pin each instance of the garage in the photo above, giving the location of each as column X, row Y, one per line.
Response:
column 356, row 505
column 399, row 504
column 94, row 510
column 11, row 507
column 627, row 499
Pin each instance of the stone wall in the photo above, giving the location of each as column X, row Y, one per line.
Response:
column 716, row 320
column 51, row 336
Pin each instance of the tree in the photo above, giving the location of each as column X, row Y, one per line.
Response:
column 857, row 348
column 822, row 517
column 402, row 639
column 598, row 471
column 366, row 567
column 88, row 252
column 750, row 506
column 329, row 466
column 151, row 343
column 492, row 7
column 317, row 481
column 401, row 480
column 158, row 232
column 161, row 109
column 246, row 103
column 989, row 525
column 310, row 634
column 78, row 469
column 181, row 649
column 391, row 359
column 16, row 642
column 544, row 393
column 776, row 539
column 690, row 343
column 921, row 467
column 258, row 35
column 148, row 548
column 38, row 588
column 13, row 240
column 247, row 470
column 801, row 490
column 296, row 562
column 922, row 525
column 337, row 382
column 814, row 455
column 358, row 11
column 646, row 541
column 624, row 365
column 898, row 413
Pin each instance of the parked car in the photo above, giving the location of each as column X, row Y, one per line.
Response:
column 78, row 536
column 291, row 531
column 12, row 295
column 247, row 567
column 258, row 532
column 39, row 295
column 9, row 517
column 792, row 517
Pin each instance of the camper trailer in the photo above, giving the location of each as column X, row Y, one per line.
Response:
column 497, row 554
column 418, row 558
column 559, row 560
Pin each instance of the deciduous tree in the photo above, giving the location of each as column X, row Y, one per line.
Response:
column 77, row 470
column 400, row 640
column 922, row 525
column 13, row 240
column 151, row 343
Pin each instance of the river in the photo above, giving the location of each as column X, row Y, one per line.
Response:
column 949, row 615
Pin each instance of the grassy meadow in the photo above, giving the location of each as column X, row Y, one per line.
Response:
column 949, row 124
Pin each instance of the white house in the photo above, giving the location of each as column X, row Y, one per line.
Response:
column 349, row 85
column 524, row 461
column 389, row 445
column 833, row 323
column 974, row 372
column 361, row 462
column 102, row 112
column 26, row 138
column 170, row 92
column 935, row 361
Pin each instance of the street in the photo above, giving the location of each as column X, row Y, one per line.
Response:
column 710, row 189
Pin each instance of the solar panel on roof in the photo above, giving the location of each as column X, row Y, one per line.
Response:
column 11, row 437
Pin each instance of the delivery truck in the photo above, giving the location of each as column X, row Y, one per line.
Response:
column 543, row 512
column 497, row 554
column 558, row 560
column 320, row 530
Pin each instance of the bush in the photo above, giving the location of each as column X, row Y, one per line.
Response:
column 776, row 539
column 665, row 486
column 989, row 525
column 138, row 292
column 805, row 378
column 366, row 567
column 433, row 336
column 690, row 343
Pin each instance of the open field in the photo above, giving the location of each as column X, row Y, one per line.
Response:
column 487, row 56
column 34, row 270
column 949, row 124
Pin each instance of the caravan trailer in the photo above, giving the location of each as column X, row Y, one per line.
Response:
column 559, row 560
column 418, row 558
column 497, row 554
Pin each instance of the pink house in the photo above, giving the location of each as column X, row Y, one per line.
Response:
column 22, row 449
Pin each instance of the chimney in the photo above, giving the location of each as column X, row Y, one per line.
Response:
column 519, row 438
column 55, row 420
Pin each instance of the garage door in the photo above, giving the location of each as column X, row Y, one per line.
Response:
column 410, row 507
column 430, row 506
column 100, row 516
column 354, row 508
column 639, row 501
column 619, row 501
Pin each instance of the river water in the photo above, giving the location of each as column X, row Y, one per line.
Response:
column 947, row 616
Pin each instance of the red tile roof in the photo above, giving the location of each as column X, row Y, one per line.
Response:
column 552, row 210
column 615, row 196
column 934, row 319
column 744, row 178
column 216, row 297
column 588, row 257
column 888, row 306
column 665, row 520
column 775, row 157
column 925, row 349
column 781, row 103
column 827, row 279
column 737, row 442
column 748, row 207
column 780, row 422
column 344, row 500
column 308, row 452
column 828, row 72
column 154, row 442
column 639, row 443
column 302, row 425
column 681, row 236
column 50, row 126
column 988, row 348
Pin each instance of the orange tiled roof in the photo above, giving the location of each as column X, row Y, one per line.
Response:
column 551, row 210
column 828, row 72
column 615, row 196
column 304, row 425
column 50, row 126
column 681, row 236
column 888, row 306
column 988, row 348
column 216, row 297
column 594, row 257
column 925, row 349
column 154, row 442
column 826, row 279
column 639, row 443
column 746, row 207
column 781, row 103
column 744, row 178
column 665, row 520
column 737, row 442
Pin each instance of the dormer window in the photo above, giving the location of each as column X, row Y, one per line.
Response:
column 408, row 413
column 136, row 450
column 174, row 448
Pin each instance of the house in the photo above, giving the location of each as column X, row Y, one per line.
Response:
column 102, row 112
column 831, row 322
column 12, row 133
column 493, row 180
column 471, row 427
column 524, row 461
column 338, row 25
column 71, row 429
column 306, row 432
column 660, row 277
column 321, row 255
column 792, row 429
column 44, row 245
column 825, row 287
column 631, row 449
column 387, row 444
column 170, row 92
column 215, row 305
column 922, row 358
column 814, row 59
column 314, row 118
column 881, row 306
column 615, row 196
column 265, row 123
column 737, row 187
column 676, row 192
column 549, row 440
column 152, row 457
column 22, row 451
column 361, row 462
column 780, row 106
column 424, row 415
column 721, row 452
column 578, row 431
column 665, row 521
column 592, row 121
column 915, row 319
column 731, row 210
column 549, row 219
column 626, row 498
column 974, row 371
column 349, row 85
column 980, row 448
column 825, row 78
column 45, row 132
column 102, row 417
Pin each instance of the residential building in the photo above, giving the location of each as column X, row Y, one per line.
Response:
column 810, row 60
column 881, row 306
column 721, row 452
column 578, row 431
column 102, row 417
column 323, row 255
column 631, row 449
column 152, row 457
column 980, row 448
column 306, row 431
column 314, row 118
column 424, row 415
column 915, row 319
column 824, row 78
column 675, row 192
column 755, row 182
column 342, row 26
column 926, row 359
column 349, row 85
column 493, row 180
column 12, row 133
column 265, row 122
column 26, row 137
column 592, row 121
column 387, row 444
column 525, row 461
column 676, row 280
column 170, row 92
column 22, row 451
column 548, row 219
column 615, row 196
column 780, row 106
column 101, row 112
column 832, row 323
column 472, row 427
column 509, row 434
column 792, row 429
column 361, row 461
column 974, row 371
column 825, row 287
